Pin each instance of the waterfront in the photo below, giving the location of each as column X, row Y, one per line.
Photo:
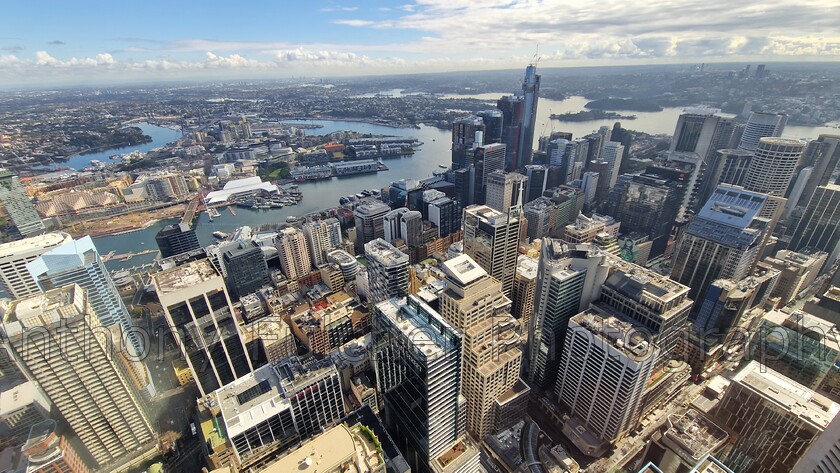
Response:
column 161, row 136
column 319, row 195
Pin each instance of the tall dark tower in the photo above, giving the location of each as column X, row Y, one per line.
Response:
column 511, row 108
column 530, row 94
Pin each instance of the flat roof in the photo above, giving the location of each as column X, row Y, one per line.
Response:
column 623, row 336
column 464, row 269
column 527, row 267
column 15, row 397
column 324, row 453
column 43, row 309
column 642, row 279
column 186, row 275
column 384, row 252
column 787, row 394
column 251, row 399
column 45, row 241
column 419, row 334
column 806, row 324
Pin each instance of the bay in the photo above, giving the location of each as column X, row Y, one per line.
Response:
column 160, row 137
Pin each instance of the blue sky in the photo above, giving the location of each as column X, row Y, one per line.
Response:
column 96, row 41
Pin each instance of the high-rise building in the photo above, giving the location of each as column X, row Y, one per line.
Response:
column 293, row 252
column 18, row 205
column 91, row 392
column 537, row 175
column 513, row 114
column 176, row 239
column 492, row 158
column 586, row 229
column 542, row 216
column 406, row 193
column 504, row 190
column 650, row 205
column 494, row 123
column 201, row 318
column 560, row 157
column 387, row 271
column 702, row 134
column 589, row 185
column 46, row 451
column 411, row 228
column 772, row 167
column 823, row 155
column 569, row 278
column 247, row 270
column 417, row 358
column 369, row 218
column 726, row 166
column 727, row 301
column 322, row 236
column 14, row 255
column 819, row 227
column 444, row 213
column 605, row 365
column 23, row 405
column 648, row 299
column 530, row 95
column 823, row 456
column 611, row 153
column 761, row 125
column 721, row 242
column 391, row 224
column 772, row 420
column 474, row 304
column 798, row 270
column 78, row 262
column 524, row 290
column 467, row 134
column 491, row 238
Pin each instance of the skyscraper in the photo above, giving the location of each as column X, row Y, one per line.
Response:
column 444, row 213
column 819, row 227
column 411, row 228
column 369, row 218
column 322, row 236
column 17, row 203
column 702, row 134
column 391, row 224
column 494, row 122
column 504, row 190
column 822, row 456
column 537, row 175
column 650, row 205
column 491, row 238
column 176, row 239
column 605, row 365
column 14, row 255
column 721, row 242
column 467, row 134
column 823, row 155
column 78, row 262
column 569, row 278
column 417, row 358
column 492, row 158
column 760, row 125
column 387, row 271
column 531, row 95
column 726, row 166
column 201, row 318
column 72, row 362
column 293, row 252
column 611, row 153
column 474, row 304
column 512, row 112
column 247, row 271
column 772, row 167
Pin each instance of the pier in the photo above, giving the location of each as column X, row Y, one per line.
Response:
column 189, row 213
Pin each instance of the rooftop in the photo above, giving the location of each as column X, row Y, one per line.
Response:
column 330, row 451
column 16, row 396
column 625, row 337
column 384, row 252
column 43, row 309
column 240, row 186
column 464, row 269
column 488, row 214
column 807, row 325
column 47, row 240
column 527, row 267
column 407, row 320
column 187, row 275
column 788, row 395
column 636, row 281
column 692, row 435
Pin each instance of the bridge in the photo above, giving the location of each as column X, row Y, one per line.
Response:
column 189, row 213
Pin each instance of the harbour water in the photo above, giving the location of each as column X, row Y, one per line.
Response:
column 319, row 195
column 160, row 136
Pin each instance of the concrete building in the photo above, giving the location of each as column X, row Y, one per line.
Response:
column 771, row 420
column 798, row 270
column 294, row 253
column 684, row 441
column 92, row 393
column 201, row 318
column 772, row 167
column 417, row 357
column 569, row 278
column 650, row 205
column 474, row 304
column 444, row 213
column 542, row 216
column 726, row 166
column 46, row 451
column 18, row 205
column 611, row 153
column 760, row 125
column 491, row 238
column 174, row 239
column 387, row 271
column 524, row 290
column 247, row 270
column 823, row 456
column 322, row 236
column 504, row 190
column 338, row 450
column 819, row 227
column 537, row 179
column 411, row 228
column 78, row 262
column 822, row 156
column 604, row 368
column 701, row 133
column 22, row 405
column 721, row 242
column 14, row 256
column 585, row 229
column 347, row 263
column 369, row 219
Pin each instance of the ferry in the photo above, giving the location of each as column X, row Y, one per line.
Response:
column 220, row 235
column 442, row 166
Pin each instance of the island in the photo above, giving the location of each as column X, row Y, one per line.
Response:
column 588, row 115
column 635, row 105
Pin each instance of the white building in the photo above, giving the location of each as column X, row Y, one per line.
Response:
column 14, row 255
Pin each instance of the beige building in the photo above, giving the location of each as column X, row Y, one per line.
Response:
column 491, row 356
column 798, row 271
column 586, row 229
column 338, row 450
column 524, row 289
column 71, row 361
column 293, row 252
column 503, row 189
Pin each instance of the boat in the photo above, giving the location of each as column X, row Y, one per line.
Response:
column 220, row 235
column 442, row 166
column 213, row 213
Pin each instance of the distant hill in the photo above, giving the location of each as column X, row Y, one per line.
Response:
column 634, row 105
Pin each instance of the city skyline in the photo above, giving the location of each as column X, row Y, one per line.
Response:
column 92, row 43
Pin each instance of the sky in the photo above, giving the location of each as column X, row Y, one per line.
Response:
column 80, row 42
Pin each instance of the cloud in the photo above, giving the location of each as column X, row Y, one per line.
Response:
column 355, row 22
column 56, row 42
column 15, row 48
column 335, row 9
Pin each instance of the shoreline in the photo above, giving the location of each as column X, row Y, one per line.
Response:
column 358, row 120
